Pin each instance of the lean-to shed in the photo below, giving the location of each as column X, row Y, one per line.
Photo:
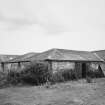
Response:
column 19, row 62
column 5, row 58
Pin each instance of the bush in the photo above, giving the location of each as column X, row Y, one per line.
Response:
column 69, row 75
column 63, row 75
column 35, row 74
column 3, row 80
column 13, row 77
column 95, row 73
column 88, row 79
column 57, row 77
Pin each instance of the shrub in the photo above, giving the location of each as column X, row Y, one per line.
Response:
column 69, row 75
column 95, row 73
column 57, row 77
column 3, row 80
column 35, row 74
column 88, row 79
column 13, row 77
column 63, row 75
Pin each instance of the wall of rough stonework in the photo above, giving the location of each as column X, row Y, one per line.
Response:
column 97, row 69
column 13, row 66
column 56, row 66
column 94, row 66
column 19, row 66
column 5, row 69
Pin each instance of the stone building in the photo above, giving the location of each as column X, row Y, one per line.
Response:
column 82, row 62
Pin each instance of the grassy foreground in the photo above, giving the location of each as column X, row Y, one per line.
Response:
column 69, row 93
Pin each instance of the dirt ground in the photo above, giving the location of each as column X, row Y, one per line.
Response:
column 69, row 93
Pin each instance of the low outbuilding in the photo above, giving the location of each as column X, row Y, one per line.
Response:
column 84, row 63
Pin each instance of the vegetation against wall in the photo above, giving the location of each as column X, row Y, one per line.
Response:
column 35, row 74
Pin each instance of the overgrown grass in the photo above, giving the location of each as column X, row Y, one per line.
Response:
column 37, row 73
column 63, row 75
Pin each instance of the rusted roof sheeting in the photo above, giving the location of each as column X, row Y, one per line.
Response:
column 100, row 53
column 63, row 54
column 23, row 58
column 59, row 54
column 4, row 58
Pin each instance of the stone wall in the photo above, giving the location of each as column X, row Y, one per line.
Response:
column 56, row 66
column 13, row 66
column 97, row 69
column 94, row 66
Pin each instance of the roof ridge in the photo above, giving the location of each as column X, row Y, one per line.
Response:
column 73, row 50
column 54, row 50
column 98, row 51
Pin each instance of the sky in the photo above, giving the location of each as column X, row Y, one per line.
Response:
column 39, row 25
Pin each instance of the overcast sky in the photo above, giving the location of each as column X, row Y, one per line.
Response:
column 39, row 25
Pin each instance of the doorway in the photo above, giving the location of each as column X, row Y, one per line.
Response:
column 83, row 70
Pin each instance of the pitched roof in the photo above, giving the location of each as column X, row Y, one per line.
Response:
column 63, row 54
column 59, row 54
column 4, row 58
column 25, row 57
column 100, row 53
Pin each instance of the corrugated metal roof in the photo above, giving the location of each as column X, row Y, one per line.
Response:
column 25, row 57
column 100, row 53
column 63, row 54
column 59, row 54
column 4, row 58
